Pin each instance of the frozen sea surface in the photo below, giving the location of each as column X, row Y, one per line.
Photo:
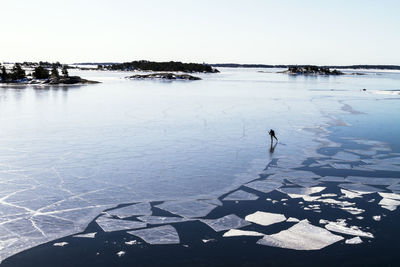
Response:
column 69, row 153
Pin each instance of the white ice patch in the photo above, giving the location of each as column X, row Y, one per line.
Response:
column 227, row 222
column 131, row 210
column 235, row 232
column 265, row 218
column 350, row 194
column 158, row 235
column 189, row 209
column 241, row 195
column 291, row 219
column 376, row 218
column 111, row 225
column 131, row 243
column 353, row 230
column 302, row 192
column 354, row 241
column 335, row 202
column 360, row 188
column 121, row 253
column 353, row 210
column 389, row 204
column 88, row 235
column 301, row 236
column 60, row 244
column 390, row 195
column 161, row 219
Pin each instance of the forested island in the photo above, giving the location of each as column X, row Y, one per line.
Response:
column 144, row 65
column 42, row 73
column 311, row 70
column 164, row 76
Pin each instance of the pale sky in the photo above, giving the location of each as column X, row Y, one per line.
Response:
column 219, row 31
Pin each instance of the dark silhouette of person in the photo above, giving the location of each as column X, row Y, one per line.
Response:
column 272, row 134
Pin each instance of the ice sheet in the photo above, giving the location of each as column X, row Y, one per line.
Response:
column 360, row 188
column 265, row 186
column 265, row 218
column 354, row 241
column 162, row 220
column 158, row 235
column 301, row 236
column 227, row 222
column 111, row 225
column 241, row 195
column 372, row 180
column 131, row 210
column 389, row 204
column 189, row 209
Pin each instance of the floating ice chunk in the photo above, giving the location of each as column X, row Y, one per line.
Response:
column 265, row 218
column 235, row 232
column 346, row 156
column 352, row 210
column 111, row 225
column 389, row 204
column 165, row 234
column 264, row 186
column 372, row 180
column 60, row 244
column 121, row 253
column 335, row 202
column 390, row 195
column 131, row 210
column 377, row 218
column 88, row 235
column 300, row 192
column 350, row 194
column 241, row 195
column 208, row 240
column 340, row 228
column 291, row 219
column 190, row 209
column 132, row 242
column 354, row 241
column 360, row 188
column 301, row 236
column 360, row 218
column 161, row 219
column 329, row 195
column 323, row 221
column 332, row 179
column 227, row 222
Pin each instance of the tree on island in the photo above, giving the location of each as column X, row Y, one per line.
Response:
column 54, row 72
column 4, row 75
column 41, row 73
column 17, row 73
column 64, row 71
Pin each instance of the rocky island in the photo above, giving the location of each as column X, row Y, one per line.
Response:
column 311, row 70
column 40, row 75
column 164, row 76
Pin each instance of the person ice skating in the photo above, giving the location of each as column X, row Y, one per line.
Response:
column 272, row 134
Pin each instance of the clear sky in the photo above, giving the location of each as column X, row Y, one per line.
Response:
column 213, row 31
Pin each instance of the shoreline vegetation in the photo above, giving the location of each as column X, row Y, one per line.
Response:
column 366, row 67
column 164, row 76
column 42, row 73
column 311, row 70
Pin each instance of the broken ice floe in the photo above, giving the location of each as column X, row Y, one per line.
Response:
column 60, row 244
column 360, row 188
column 121, row 253
column 241, row 195
column 131, row 210
column 161, row 219
column 341, row 228
column 190, row 209
column 291, row 219
column 389, row 204
column 88, row 235
column 354, row 241
column 372, row 180
column 301, row 236
column 158, row 235
column 350, row 194
column 227, row 222
column 111, row 225
column 264, row 186
column 265, row 218
column 352, row 210
column 236, row 232
column 376, row 218
column 390, row 195
column 302, row 192
column 130, row 243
